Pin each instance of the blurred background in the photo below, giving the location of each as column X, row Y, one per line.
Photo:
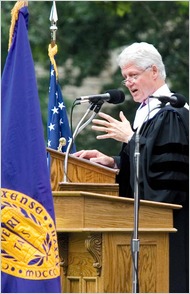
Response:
column 90, row 35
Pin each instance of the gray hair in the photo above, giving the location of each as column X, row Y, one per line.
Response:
column 142, row 55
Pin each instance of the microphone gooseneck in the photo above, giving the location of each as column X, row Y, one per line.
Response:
column 96, row 101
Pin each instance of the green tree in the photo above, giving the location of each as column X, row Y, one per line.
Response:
column 89, row 30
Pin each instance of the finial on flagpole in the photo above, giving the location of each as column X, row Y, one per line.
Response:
column 62, row 142
column 53, row 19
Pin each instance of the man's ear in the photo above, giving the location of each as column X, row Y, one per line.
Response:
column 155, row 72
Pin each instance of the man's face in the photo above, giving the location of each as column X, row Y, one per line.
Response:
column 140, row 82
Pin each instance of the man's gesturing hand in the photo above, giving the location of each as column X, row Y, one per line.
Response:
column 118, row 130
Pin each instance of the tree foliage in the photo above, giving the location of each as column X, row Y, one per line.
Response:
column 89, row 30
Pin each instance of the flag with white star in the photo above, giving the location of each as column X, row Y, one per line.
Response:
column 58, row 124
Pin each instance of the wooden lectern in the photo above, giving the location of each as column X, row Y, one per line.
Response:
column 83, row 175
column 95, row 232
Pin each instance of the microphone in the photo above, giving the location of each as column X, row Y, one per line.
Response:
column 176, row 100
column 113, row 96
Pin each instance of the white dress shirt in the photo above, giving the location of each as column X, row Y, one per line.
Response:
column 146, row 112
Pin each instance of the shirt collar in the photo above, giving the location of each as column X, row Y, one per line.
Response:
column 151, row 107
column 163, row 91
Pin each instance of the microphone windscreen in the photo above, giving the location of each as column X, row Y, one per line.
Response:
column 116, row 96
column 180, row 102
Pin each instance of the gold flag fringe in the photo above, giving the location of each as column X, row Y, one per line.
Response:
column 52, row 51
column 14, row 14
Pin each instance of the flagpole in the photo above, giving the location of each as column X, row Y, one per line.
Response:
column 58, row 129
column 53, row 28
column 53, row 19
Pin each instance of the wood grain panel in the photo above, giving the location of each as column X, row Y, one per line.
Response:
column 74, row 285
column 101, row 188
column 79, row 170
column 153, row 278
column 83, row 210
column 95, row 236
column 80, row 261
column 80, row 264
column 89, row 285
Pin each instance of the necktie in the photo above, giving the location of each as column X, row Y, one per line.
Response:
column 143, row 104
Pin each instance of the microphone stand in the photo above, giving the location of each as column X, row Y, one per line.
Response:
column 96, row 108
column 135, row 240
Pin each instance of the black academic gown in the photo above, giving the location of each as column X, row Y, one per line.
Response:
column 163, row 177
